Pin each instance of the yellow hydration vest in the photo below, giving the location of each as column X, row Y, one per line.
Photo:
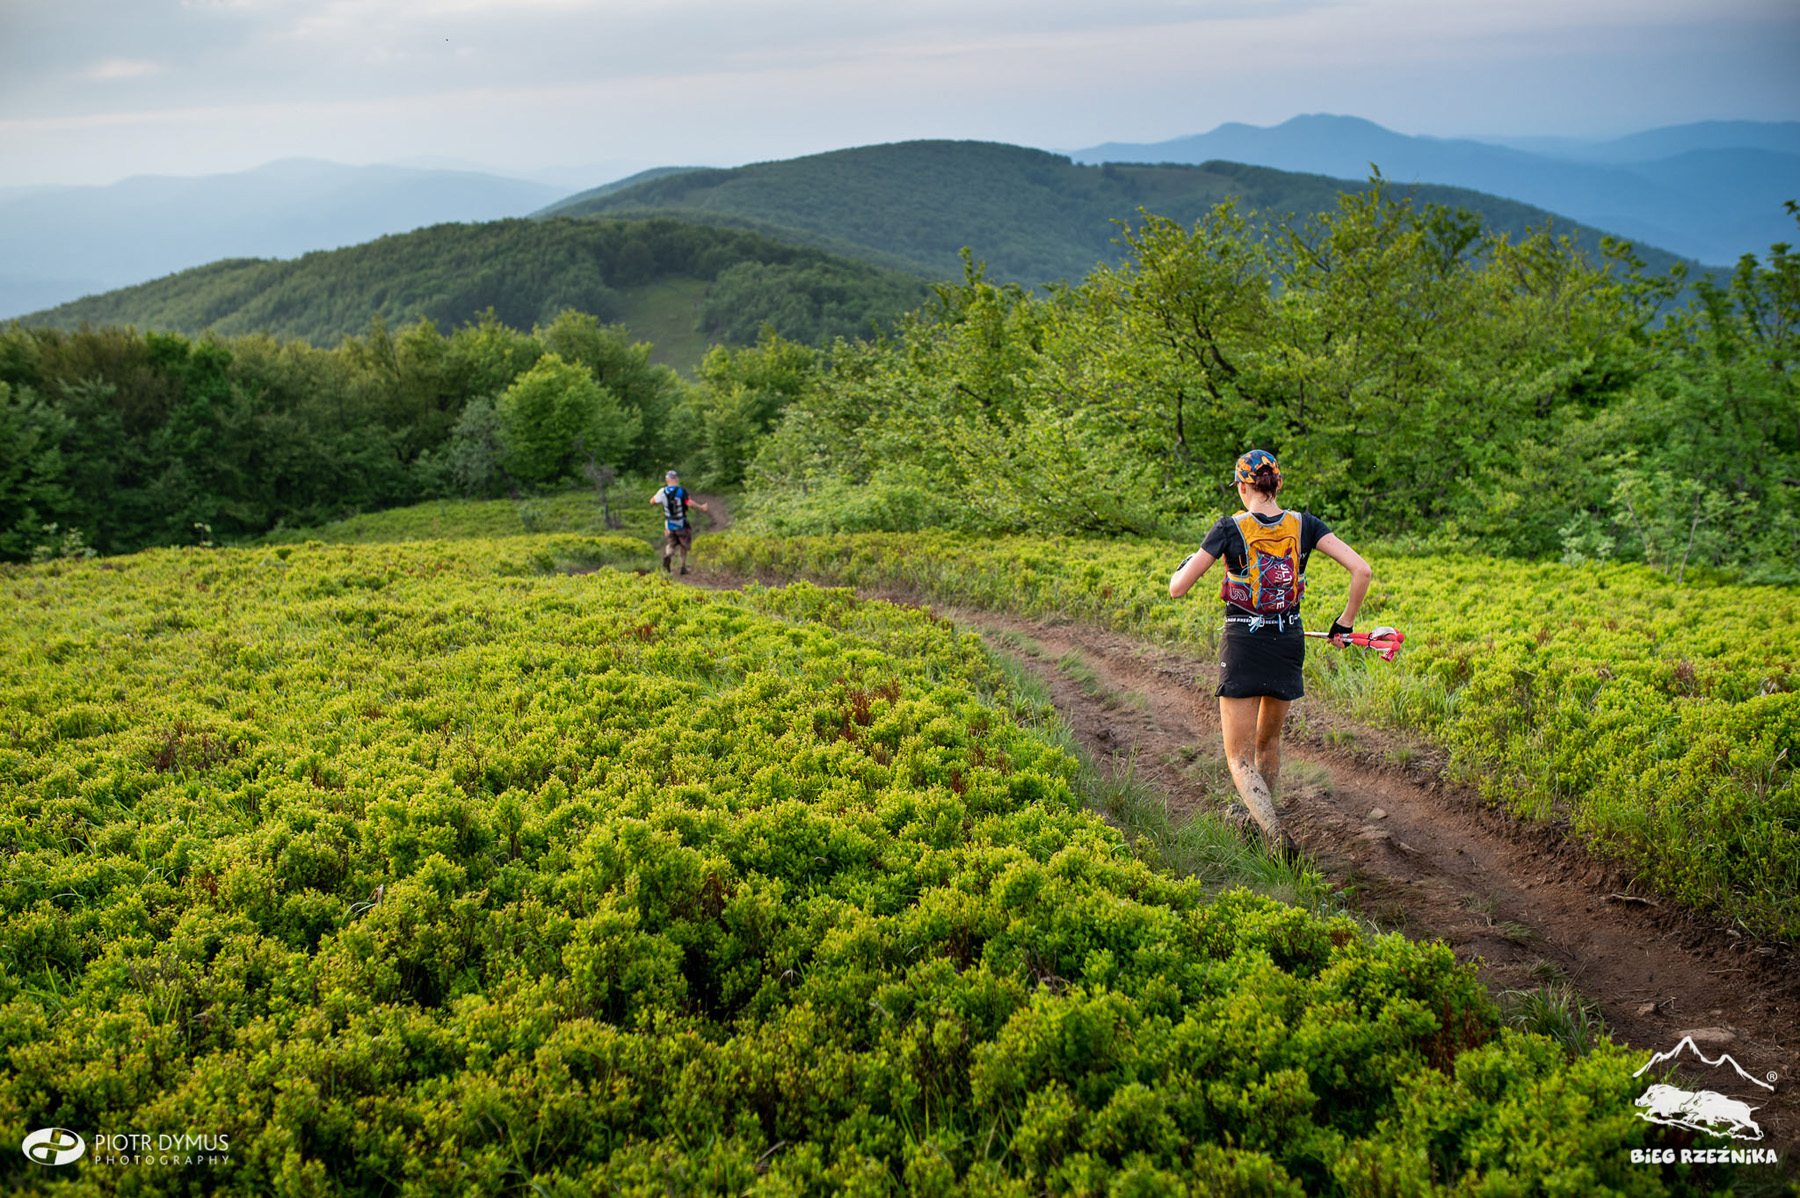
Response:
column 1271, row 581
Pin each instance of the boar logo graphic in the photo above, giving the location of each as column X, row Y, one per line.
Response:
column 1704, row 1110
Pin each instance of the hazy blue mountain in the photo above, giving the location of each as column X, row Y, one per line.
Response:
column 1031, row 216
column 59, row 243
column 564, row 177
column 1691, row 193
column 1782, row 137
column 617, row 185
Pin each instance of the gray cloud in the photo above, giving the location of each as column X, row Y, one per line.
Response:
column 193, row 84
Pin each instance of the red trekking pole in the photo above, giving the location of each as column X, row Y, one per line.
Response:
column 1384, row 640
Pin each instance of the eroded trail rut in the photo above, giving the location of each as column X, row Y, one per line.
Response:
column 1426, row 859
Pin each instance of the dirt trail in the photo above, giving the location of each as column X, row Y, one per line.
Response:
column 718, row 513
column 1434, row 864
column 1429, row 860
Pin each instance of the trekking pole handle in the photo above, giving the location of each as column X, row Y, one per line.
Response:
column 1386, row 641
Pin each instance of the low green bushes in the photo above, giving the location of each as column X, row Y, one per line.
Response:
column 407, row 875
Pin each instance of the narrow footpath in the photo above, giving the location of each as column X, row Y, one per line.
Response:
column 1428, row 860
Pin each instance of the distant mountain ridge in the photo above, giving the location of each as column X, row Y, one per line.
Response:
column 1783, row 137
column 1710, row 192
column 59, row 243
column 1033, row 216
column 678, row 285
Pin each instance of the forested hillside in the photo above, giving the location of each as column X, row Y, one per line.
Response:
column 1420, row 376
column 1032, row 217
column 524, row 272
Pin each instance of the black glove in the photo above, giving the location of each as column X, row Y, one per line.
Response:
column 1337, row 630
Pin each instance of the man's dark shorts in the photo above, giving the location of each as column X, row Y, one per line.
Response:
column 678, row 538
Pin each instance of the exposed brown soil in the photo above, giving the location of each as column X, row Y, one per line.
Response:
column 717, row 514
column 1419, row 856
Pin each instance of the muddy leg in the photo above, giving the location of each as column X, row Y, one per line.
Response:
column 1269, row 721
column 1239, row 718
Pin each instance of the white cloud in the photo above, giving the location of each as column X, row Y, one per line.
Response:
column 110, row 69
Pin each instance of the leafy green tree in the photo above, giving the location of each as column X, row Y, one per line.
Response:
column 742, row 393
column 554, row 417
column 1405, row 364
column 485, row 358
column 32, row 487
column 1697, row 463
column 474, row 454
column 648, row 392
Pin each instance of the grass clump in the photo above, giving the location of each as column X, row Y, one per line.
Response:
column 1557, row 1011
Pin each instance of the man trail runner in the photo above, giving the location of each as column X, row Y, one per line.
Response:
column 1260, row 654
column 678, row 534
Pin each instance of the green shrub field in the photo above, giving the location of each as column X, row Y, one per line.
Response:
column 1659, row 722
column 432, row 868
column 495, row 519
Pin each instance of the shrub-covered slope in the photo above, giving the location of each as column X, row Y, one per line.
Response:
column 411, row 868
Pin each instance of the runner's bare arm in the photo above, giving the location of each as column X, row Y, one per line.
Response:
column 1189, row 573
column 1333, row 547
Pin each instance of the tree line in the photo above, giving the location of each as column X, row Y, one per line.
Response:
column 1421, row 378
column 114, row 440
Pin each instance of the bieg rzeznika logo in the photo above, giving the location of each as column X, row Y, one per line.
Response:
column 54, row 1146
column 1704, row 1110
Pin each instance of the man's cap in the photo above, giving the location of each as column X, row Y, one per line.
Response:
column 670, row 474
column 1255, row 460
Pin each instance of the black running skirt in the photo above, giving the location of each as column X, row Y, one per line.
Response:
column 1252, row 664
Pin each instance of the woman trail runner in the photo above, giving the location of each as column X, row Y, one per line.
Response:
column 1265, row 550
column 678, row 534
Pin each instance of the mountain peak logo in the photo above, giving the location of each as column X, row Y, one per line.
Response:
column 1704, row 1110
column 54, row 1146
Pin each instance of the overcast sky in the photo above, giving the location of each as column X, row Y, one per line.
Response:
column 94, row 90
